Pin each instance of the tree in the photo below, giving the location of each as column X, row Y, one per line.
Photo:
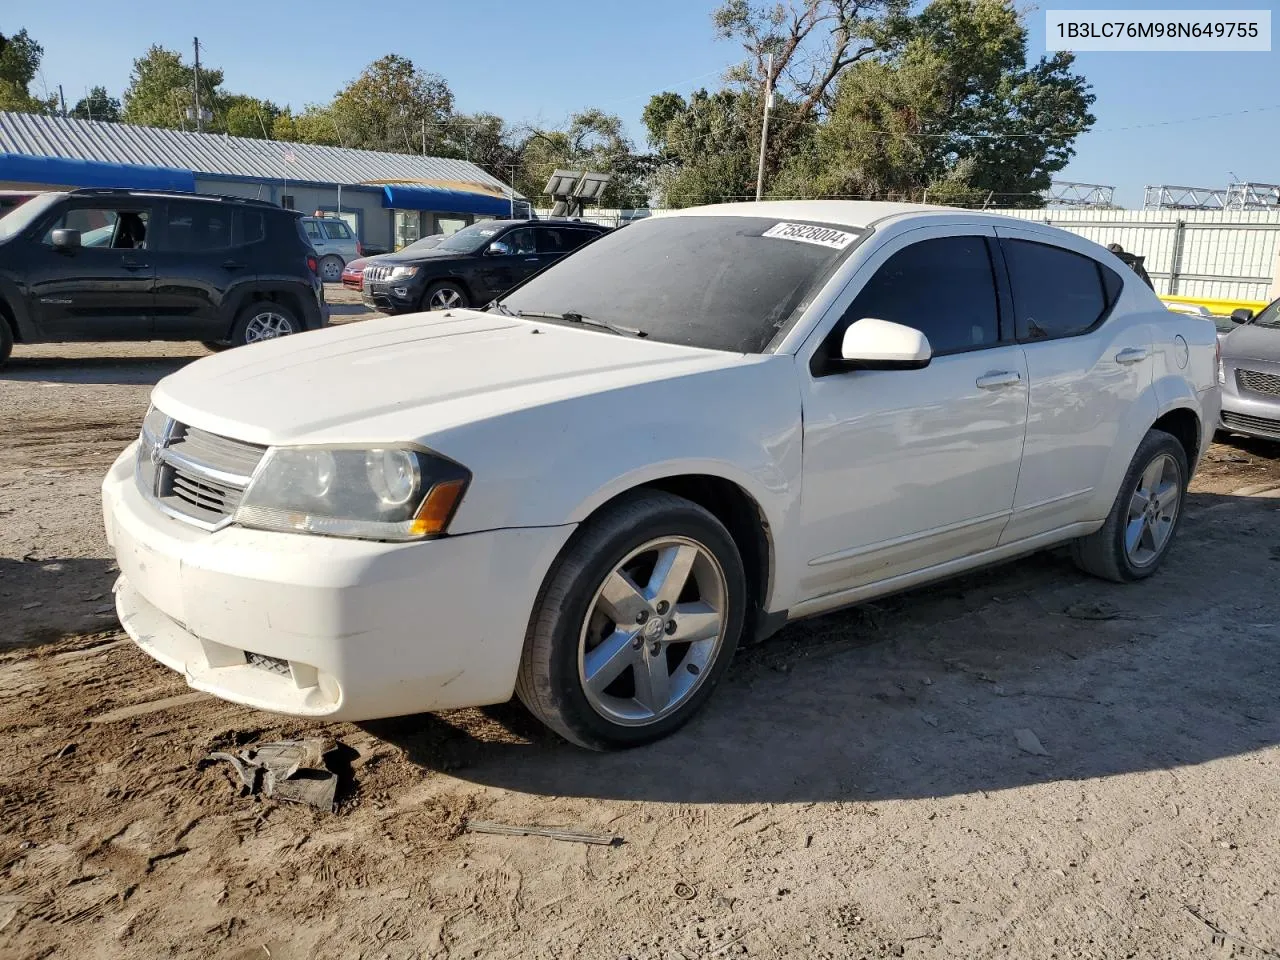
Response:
column 161, row 89
column 393, row 106
column 244, row 116
column 97, row 105
column 20, row 58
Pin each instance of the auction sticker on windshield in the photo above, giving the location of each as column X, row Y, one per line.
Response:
column 807, row 233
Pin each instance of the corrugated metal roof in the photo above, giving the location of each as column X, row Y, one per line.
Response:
column 212, row 153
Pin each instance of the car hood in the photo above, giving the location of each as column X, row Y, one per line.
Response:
column 405, row 378
column 418, row 256
column 1248, row 342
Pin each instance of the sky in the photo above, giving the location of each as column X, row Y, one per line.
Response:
column 1197, row 119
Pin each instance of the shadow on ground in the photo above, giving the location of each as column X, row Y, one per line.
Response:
column 99, row 369
column 43, row 600
column 922, row 694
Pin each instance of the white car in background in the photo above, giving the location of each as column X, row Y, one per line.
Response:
column 334, row 242
column 688, row 432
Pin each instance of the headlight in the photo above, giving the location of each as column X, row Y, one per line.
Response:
column 154, row 427
column 386, row 493
column 400, row 273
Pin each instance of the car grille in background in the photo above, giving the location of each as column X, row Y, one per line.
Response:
column 1242, row 421
column 378, row 273
column 1258, row 382
column 200, row 476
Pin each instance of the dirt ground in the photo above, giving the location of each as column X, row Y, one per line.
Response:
column 857, row 787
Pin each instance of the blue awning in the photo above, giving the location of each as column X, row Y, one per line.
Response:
column 61, row 172
column 397, row 196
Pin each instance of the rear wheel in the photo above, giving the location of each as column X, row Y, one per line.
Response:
column 264, row 320
column 331, row 269
column 444, row 296
column 1144, row 518
column 6, row 339
column 635, row 625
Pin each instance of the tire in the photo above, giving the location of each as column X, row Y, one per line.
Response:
column 445, row 295
column 1159, row 464
column 216, row 346
column 264, row 320
column 331, row 269
column 6, row 339
column 572, row 615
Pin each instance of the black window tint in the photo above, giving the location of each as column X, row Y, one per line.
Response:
column 250, row 227
column 1056, row 293
column 198, row 228
column 706, row 281
column 1112, row 283
column 944, row 288
column 551, row 240
column 573, row 239
column 521, row 242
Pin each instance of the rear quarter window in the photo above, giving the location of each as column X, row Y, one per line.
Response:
column 1056, row 292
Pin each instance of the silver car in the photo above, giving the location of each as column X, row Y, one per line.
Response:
column 334, row 242
column 1250, row 373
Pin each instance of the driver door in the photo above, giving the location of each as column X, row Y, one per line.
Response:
column 499, row 272
column 907, row 469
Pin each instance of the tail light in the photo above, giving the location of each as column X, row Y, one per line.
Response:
column 1217, row 358
column 359, row 249
column 313, row 264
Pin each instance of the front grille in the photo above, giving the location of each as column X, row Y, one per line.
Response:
column 264, row 662
column 1256, row 381
column 1242, row 421
column 193, row 474
column 377, row 273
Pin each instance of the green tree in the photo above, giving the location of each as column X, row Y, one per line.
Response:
column 315, row 124
column 20, row 58
column 244, row 116
column 593, row 140
column 97, row 105
column 393, row 106
column 161, row 89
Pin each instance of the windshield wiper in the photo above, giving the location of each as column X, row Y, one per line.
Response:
column 502, row 308
column 572, row 316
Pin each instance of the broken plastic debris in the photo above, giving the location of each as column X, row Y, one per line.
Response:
column 292, row 770
column 1029, row 742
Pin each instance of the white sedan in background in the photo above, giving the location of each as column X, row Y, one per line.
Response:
column 690, row 431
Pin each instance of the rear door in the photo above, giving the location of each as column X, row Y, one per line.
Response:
column 103, row 290
column 498, row 273
column 1086, row 373
column 204, row 258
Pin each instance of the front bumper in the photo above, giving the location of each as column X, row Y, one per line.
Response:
column 323, row 627
column 1246, row 411
column 394, row 296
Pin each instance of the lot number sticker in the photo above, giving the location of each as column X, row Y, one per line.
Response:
column 822, row 236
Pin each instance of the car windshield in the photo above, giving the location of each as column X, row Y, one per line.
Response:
column 471, row 239
column 426, row 243
column 724, row 283
column 19, row 218
column 1269, row 317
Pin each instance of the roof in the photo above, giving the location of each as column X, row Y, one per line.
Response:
column 32, row 135
column 846, row 213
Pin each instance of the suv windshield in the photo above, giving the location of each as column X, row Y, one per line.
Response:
column 725, row 283
column 19, row 218
column 471, row 239
column 1269, row 317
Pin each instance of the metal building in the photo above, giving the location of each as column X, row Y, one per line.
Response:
column 389, row 199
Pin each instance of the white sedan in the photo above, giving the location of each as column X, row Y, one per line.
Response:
column 690, row 431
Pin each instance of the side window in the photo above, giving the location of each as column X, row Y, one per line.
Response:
column 1056, row 293
column 336, row 230
column 198, row 228
column 248, row 226
column 103, row 228
column 552, row 241
column 573, row 239
column 313, row 230
column 522, row 242
column 945, row 288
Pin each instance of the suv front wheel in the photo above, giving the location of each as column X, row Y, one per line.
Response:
column 264, row 320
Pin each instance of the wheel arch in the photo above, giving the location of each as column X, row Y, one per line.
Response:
column 455, row 279
column 10, row 320
column 1183, row 423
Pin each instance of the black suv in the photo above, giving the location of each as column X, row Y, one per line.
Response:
column 127, row 265
column 473, row 266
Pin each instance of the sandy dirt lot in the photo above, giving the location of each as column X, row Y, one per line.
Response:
column 855, row 789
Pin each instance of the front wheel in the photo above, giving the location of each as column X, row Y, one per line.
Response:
column 264, row 320
column 635, row 625
column 444, row 296
column 1144, row 518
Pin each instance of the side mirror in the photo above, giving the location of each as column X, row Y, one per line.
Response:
column 65, row 239
column 498, row 248
column 871, row 344
column 1243, row 315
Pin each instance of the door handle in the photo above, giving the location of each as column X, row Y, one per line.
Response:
column 530, row 259
column 232, row 265
column 1131, row 355
column 998, row 379
column 131, row 264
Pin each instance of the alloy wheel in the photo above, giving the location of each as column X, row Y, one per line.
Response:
column 445, row 298
column 1153, row 511
column 653, row 631
column 267, row 326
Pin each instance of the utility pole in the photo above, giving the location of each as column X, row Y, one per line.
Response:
column 424, row 136
column 764, row 130
column 62, row 100
column 199, row 117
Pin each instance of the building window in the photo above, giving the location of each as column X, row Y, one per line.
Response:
column 286, row 201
